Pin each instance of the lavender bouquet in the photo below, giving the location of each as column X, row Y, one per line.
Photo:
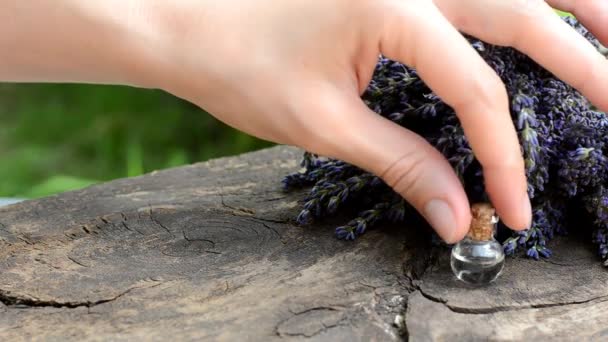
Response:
column 562, row 137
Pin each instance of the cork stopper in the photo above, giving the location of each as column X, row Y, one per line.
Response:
column 482, row 223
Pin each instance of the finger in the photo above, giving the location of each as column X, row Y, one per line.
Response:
column 423, row 38
column 537, row 31
column 404, row 160
column 592, row 13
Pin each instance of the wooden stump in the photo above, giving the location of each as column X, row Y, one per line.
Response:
column 211, row 252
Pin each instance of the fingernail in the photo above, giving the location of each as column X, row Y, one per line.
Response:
column 527, row 210
column 439, row 215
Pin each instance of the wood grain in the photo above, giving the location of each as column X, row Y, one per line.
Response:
column 211, row 252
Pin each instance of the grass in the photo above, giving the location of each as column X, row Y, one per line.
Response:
column 55, row 138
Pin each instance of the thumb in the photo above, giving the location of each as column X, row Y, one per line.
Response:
column 407, row 163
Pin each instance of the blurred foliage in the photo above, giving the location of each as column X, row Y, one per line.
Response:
column 55, row 138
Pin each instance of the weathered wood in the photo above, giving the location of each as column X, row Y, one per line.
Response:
column 565, row 298
column 211, row 252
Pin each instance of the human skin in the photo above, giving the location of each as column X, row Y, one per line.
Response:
column 292, row 72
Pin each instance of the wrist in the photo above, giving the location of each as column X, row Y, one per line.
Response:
column 128, row 43
column 175, row 47
column 135, row 44
column 108, row 42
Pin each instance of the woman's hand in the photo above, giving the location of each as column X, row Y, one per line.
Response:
column 292, row 72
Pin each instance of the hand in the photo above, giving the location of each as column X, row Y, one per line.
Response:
column 293, row 71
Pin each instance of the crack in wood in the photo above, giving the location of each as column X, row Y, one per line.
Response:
column 495, row 309
column 202, row 240
column 323, row 326
column 274, row 230
column 77, row 262
column 270, row 220
column 244, row 211
column 262, row 221
column 419, row 262
column 24, row 239
column 324, row 329
column 316, row 308
column 156, row 221
column 11, row 301
column 273, row 199
column 97, row 231
column 194, row 240
column 126, row 226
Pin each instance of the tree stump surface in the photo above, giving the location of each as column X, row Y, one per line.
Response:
column 211, row 252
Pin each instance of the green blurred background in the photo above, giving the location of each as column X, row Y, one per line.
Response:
column 58, row 137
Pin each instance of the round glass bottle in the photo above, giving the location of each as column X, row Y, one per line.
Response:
column 478, row 259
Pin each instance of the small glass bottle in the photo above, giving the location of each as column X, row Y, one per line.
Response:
column 478, row 259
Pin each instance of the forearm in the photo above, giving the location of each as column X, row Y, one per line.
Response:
column 107, row 41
